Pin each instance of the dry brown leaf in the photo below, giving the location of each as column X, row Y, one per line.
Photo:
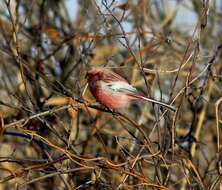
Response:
column 53, row 34
column 21, row 85
column 73, row 131
column 57, row 101
column 123, row 6
column 6, row 112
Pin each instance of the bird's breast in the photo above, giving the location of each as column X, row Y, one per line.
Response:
column 108, row 96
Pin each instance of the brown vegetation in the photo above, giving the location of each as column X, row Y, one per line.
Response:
column 53, row 133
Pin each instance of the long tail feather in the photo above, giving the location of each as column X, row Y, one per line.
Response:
column 172, row 108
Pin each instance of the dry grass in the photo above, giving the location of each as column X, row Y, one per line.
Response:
column 53, row 133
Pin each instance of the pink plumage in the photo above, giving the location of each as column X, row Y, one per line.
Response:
column 113, row 91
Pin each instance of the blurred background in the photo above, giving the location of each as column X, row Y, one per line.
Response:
column 54, row 135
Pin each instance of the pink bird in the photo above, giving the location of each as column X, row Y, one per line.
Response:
column 113, row 91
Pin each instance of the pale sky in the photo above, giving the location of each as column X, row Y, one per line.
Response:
column 185, row 16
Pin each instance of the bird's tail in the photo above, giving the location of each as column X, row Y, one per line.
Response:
column 172, row 108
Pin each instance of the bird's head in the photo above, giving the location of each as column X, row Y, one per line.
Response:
column 95, row 74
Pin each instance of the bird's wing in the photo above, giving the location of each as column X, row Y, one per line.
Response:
column 110, row 76
column 123, row 87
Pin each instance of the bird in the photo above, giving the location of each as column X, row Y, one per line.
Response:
column 113, row 91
